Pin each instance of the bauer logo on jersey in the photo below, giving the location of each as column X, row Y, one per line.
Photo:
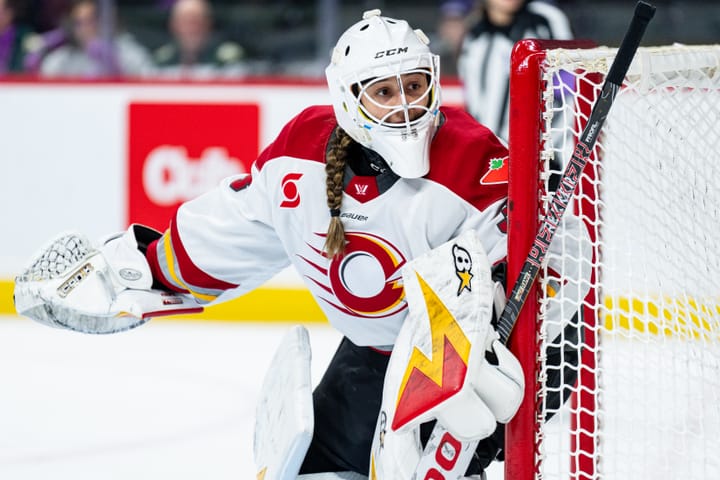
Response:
column 498, row 172
column 290, row 190
column 463, row 265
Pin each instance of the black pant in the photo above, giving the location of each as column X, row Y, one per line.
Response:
column 346, row 405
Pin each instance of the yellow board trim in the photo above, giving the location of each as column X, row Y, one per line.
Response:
column 6, row 297
column 266, row 304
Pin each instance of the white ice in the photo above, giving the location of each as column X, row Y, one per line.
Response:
column 169, row 400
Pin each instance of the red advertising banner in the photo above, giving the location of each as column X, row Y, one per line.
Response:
column 177, row 151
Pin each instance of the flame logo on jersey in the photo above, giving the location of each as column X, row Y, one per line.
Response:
column 429, row 381
column 365, row 281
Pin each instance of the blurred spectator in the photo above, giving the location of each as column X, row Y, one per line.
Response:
column 93, row 47
column 46, row 15
column 13, row 38
column 194, row 51
column 450, row 31
column 484, row 63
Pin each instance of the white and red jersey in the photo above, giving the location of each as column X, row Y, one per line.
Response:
column 235, row 237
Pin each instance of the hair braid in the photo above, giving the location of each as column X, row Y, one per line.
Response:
column 334, row 180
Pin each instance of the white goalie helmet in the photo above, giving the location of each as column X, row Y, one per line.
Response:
column 377, row 49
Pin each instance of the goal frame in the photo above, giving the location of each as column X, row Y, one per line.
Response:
column 649, row 336
column 525, row 145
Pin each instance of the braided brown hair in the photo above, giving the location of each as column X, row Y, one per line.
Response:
column 334, row 180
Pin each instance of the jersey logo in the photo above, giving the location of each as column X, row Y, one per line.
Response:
column 365, row 281
column 361, row 188
column 290, row 190
column 498, row 172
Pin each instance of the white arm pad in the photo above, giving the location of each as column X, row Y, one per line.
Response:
column 73, row 285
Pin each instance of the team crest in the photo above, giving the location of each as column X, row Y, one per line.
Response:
column 463, row 265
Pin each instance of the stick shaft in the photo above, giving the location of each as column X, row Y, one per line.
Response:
column 574, row 168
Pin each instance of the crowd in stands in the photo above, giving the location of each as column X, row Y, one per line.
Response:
column 205, row 39
column 85, row 39
column 90, row 39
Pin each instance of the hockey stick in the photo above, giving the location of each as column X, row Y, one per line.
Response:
column 442, row 448
column 573, row 170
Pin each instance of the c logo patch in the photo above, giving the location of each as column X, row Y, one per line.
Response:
column 365, row 281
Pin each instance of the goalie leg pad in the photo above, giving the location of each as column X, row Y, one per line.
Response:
column 284, row 415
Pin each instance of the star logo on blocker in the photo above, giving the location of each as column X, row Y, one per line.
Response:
column 463, row 265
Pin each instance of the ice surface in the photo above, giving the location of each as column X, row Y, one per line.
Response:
column 169, row 400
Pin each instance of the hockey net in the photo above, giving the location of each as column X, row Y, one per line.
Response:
column 644, row 397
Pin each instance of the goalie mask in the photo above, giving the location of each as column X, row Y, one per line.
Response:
column 373, row 54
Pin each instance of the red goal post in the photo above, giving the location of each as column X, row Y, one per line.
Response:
column 646, row 388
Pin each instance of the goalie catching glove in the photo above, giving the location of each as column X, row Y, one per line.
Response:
column 71, row 284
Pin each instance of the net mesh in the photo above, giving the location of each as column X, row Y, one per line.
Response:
column 647, row 402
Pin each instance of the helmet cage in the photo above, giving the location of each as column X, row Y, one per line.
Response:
column 422, row 102
column 357, row 84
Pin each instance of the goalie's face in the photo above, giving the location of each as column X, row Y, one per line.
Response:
column 396, row 99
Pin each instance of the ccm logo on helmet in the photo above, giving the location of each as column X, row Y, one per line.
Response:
column 392, row 51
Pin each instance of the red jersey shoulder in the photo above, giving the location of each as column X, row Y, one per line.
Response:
column 469, row 159
column 305, row 136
